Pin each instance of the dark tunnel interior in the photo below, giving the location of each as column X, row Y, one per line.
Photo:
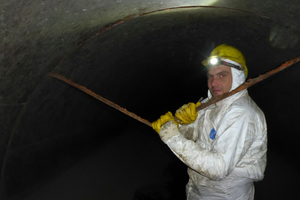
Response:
column 60, row 143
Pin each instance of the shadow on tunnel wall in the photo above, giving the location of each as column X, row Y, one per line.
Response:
column 64, row 139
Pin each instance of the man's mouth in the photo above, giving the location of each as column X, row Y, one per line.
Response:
column 216, row 91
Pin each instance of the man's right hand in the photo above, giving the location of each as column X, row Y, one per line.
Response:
column 162, row 120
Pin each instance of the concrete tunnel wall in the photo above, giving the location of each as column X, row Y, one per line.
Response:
column 58, row 143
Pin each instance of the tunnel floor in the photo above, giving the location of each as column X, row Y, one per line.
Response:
column 85, row 179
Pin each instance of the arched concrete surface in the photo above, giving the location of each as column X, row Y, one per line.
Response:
column 58, row 143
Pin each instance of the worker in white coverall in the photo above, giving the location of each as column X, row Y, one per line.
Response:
column 225, row 144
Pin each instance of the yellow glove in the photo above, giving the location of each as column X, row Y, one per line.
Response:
column 162, row 120
column 187, row 113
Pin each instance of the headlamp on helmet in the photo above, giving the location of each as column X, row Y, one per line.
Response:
column 215, row 61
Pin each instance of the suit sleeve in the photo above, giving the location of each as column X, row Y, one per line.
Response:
column 235, row 135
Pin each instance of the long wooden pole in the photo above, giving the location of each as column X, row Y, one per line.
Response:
column 213, row 100
column 100, row 98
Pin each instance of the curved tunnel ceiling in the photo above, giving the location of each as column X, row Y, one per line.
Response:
column 150, row 64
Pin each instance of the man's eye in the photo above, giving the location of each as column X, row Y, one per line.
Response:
column 222, row 75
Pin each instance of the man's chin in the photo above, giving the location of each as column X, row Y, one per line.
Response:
column 215, row 94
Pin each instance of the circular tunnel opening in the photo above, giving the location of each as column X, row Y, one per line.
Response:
column 72, row 147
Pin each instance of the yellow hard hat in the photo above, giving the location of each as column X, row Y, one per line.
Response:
column 225, row 51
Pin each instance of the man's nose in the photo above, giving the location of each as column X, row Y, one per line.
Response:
column 214, row 81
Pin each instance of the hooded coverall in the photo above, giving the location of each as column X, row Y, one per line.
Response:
column 224, row 148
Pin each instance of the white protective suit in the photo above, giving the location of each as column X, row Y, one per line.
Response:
column 224, row 148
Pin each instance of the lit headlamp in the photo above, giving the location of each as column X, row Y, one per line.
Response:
column 215, row 61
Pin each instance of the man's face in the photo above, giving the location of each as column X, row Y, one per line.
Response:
column 219, row 80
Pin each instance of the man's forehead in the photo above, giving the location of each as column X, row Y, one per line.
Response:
column 219, row 69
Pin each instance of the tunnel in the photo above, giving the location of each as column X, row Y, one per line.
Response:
column 58, row 142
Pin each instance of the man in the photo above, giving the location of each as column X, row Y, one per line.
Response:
column 225, row 144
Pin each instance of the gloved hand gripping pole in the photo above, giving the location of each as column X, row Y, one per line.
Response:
column 213, row 100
